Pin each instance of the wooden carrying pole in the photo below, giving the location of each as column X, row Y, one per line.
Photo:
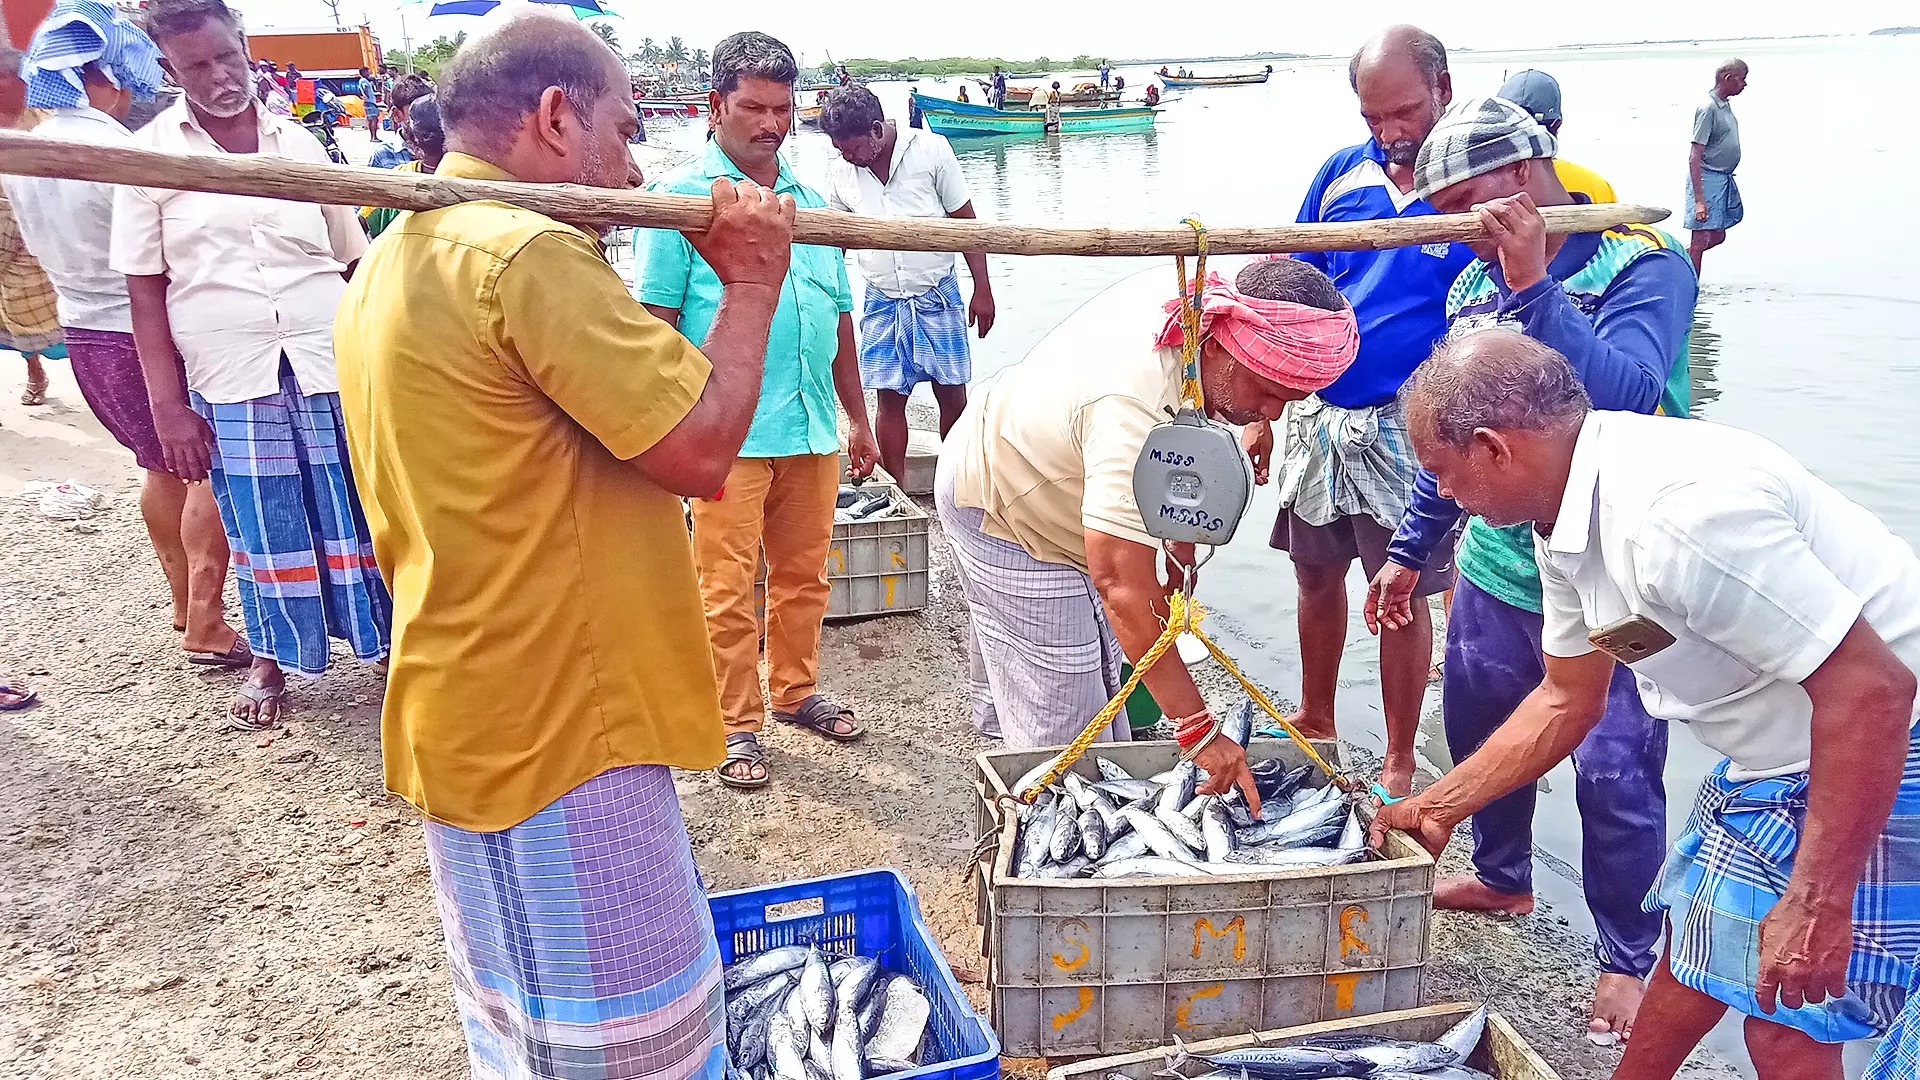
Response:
column 279, row 178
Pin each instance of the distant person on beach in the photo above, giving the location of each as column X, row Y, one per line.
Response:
column 999, row 92
column 1539, row 94
column 1106, row 73
column 1711, row 190
column 29, row 315
column 963, row 96
column 1053, row 109
column 68, row 225
column 233, row 303
column 1618, row 305
column 1344, row 467
column 524, row 431
column 913, row 325
column 1035, row 492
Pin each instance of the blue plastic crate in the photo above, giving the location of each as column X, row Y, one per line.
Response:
column 868, row 913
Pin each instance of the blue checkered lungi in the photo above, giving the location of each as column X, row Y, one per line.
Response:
column 580, row 942
column 285, row 491
column 906, row 341
column 1731, row 865
column 1724, row 208
column 1898, row 1056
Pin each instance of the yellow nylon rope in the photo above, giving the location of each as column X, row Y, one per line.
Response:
column 1182, row 616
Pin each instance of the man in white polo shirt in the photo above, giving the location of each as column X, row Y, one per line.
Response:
column 1775, row 618
column 913, row 328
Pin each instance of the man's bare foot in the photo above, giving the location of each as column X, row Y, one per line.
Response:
column 1397, row 775
column 1465, row 893
column 1311, row 725
column 1616, row 1001
column 257, row 703
column 218, row 638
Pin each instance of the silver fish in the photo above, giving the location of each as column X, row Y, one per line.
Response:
column 1109, row 812
column 815, row 1071
column 1298, row 823
column 1278, row 1062
column 1238, row 725
column 1150, row 866
column 815, row 993
column 1064, row 844
column 1078, row 790
column 1035, row 833
column 748, row 1013
column 1093, row 833
column 883, row 1066
column 786, row 1049
column 1353, row 836
column 847, row 1049
column 765, row 965
column 1444, row 1072
column 1109, row 770
column 902, row 1023
column 1292, row 858
column 1389, row 1056
column 1197, row 806
column 818, row 1056
column 1157, row 836
column 1463, row 1038
column 1078, row 866
column 1218, row 833
column 1127, row 791
column 1179, row 790
column 1183, row 828
column 1130, row 846
column 856, row 981
column 1032, row 776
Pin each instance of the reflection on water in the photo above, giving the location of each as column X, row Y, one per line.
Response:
column 1703, row 360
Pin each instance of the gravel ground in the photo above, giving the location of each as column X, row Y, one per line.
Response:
column 184, row 902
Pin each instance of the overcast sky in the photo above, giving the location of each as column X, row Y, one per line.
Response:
column 1131, row 28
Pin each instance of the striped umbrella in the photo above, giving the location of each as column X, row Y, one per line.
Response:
column 582, row 9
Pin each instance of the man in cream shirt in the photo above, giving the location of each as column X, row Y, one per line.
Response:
column 1775, row 618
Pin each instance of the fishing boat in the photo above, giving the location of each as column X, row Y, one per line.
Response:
column 956, row 118
column 671, row 106
column 810, row 115
column 1175, row 82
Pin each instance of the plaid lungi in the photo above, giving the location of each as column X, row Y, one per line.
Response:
column 579, row 941
column 29, row 315
column 1042, row 658
column 285, row 490
column 1730, row 866
column 1898, row 1056
column 906, row 341
column 1337, row 462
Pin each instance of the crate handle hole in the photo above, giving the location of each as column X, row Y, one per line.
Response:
column 796, row 909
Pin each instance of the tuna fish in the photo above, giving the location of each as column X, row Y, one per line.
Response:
column 765, row 965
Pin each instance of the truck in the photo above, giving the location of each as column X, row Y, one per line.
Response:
column 322, row 52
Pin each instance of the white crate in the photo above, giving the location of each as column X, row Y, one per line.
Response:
column 1091, row 966
column 877, row 567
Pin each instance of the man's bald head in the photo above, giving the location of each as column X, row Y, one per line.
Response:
column 1730, row 67
column 496, row 82
column 1396, row 45
column 1730, row 78
column 1494, row 379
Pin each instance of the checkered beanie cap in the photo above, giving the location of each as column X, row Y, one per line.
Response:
column 1476, row 137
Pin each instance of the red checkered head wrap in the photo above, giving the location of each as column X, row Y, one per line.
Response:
column 1295, row 345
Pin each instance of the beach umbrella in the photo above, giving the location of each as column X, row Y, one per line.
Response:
column 582, row 9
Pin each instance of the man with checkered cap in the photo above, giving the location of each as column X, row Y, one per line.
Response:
column 1618, row 305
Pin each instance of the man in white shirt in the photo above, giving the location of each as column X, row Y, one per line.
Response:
column 913, row 329
column 1775, row 618
column 233, row 306
column 67, row 226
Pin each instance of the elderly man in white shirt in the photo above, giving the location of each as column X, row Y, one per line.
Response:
column 913, row 329
column 1775, row 618
column 86, row 65
column 233, row 306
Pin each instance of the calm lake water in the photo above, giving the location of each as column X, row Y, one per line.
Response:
column 1808, row 327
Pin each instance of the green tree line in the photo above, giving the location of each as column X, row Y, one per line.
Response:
column 964, row 65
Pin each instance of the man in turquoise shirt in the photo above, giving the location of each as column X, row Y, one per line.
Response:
column 781, row 491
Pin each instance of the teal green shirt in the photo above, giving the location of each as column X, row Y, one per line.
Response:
column 796, row 414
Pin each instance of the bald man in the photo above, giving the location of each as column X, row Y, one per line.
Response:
column 1346, row 469
column 1713, row 195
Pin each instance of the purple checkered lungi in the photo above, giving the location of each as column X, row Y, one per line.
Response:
column 580, row 942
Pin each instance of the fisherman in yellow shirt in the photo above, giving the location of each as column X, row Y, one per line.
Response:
column 1538, row 93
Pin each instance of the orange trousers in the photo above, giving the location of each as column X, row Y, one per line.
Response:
column 783, row 506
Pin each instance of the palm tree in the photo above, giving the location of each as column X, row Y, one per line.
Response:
column 607, row 34
column 649, row 52
column 675, row 52
column 699, row 61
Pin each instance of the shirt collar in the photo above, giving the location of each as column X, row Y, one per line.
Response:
column 1574, row 522
column 189, row 121
column 715, row 163
column 88, row 112
column 901, row 137
column 467, row 167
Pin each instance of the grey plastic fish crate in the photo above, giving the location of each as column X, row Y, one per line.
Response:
column 1110, row 966
column 1501, row 1054
column 874, row 567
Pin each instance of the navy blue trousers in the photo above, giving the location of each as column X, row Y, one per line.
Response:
column 1493, row 663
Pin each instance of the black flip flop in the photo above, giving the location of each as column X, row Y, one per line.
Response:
column 817, row 714
column 238, row 656
column 22, row 698
column 744, row 746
